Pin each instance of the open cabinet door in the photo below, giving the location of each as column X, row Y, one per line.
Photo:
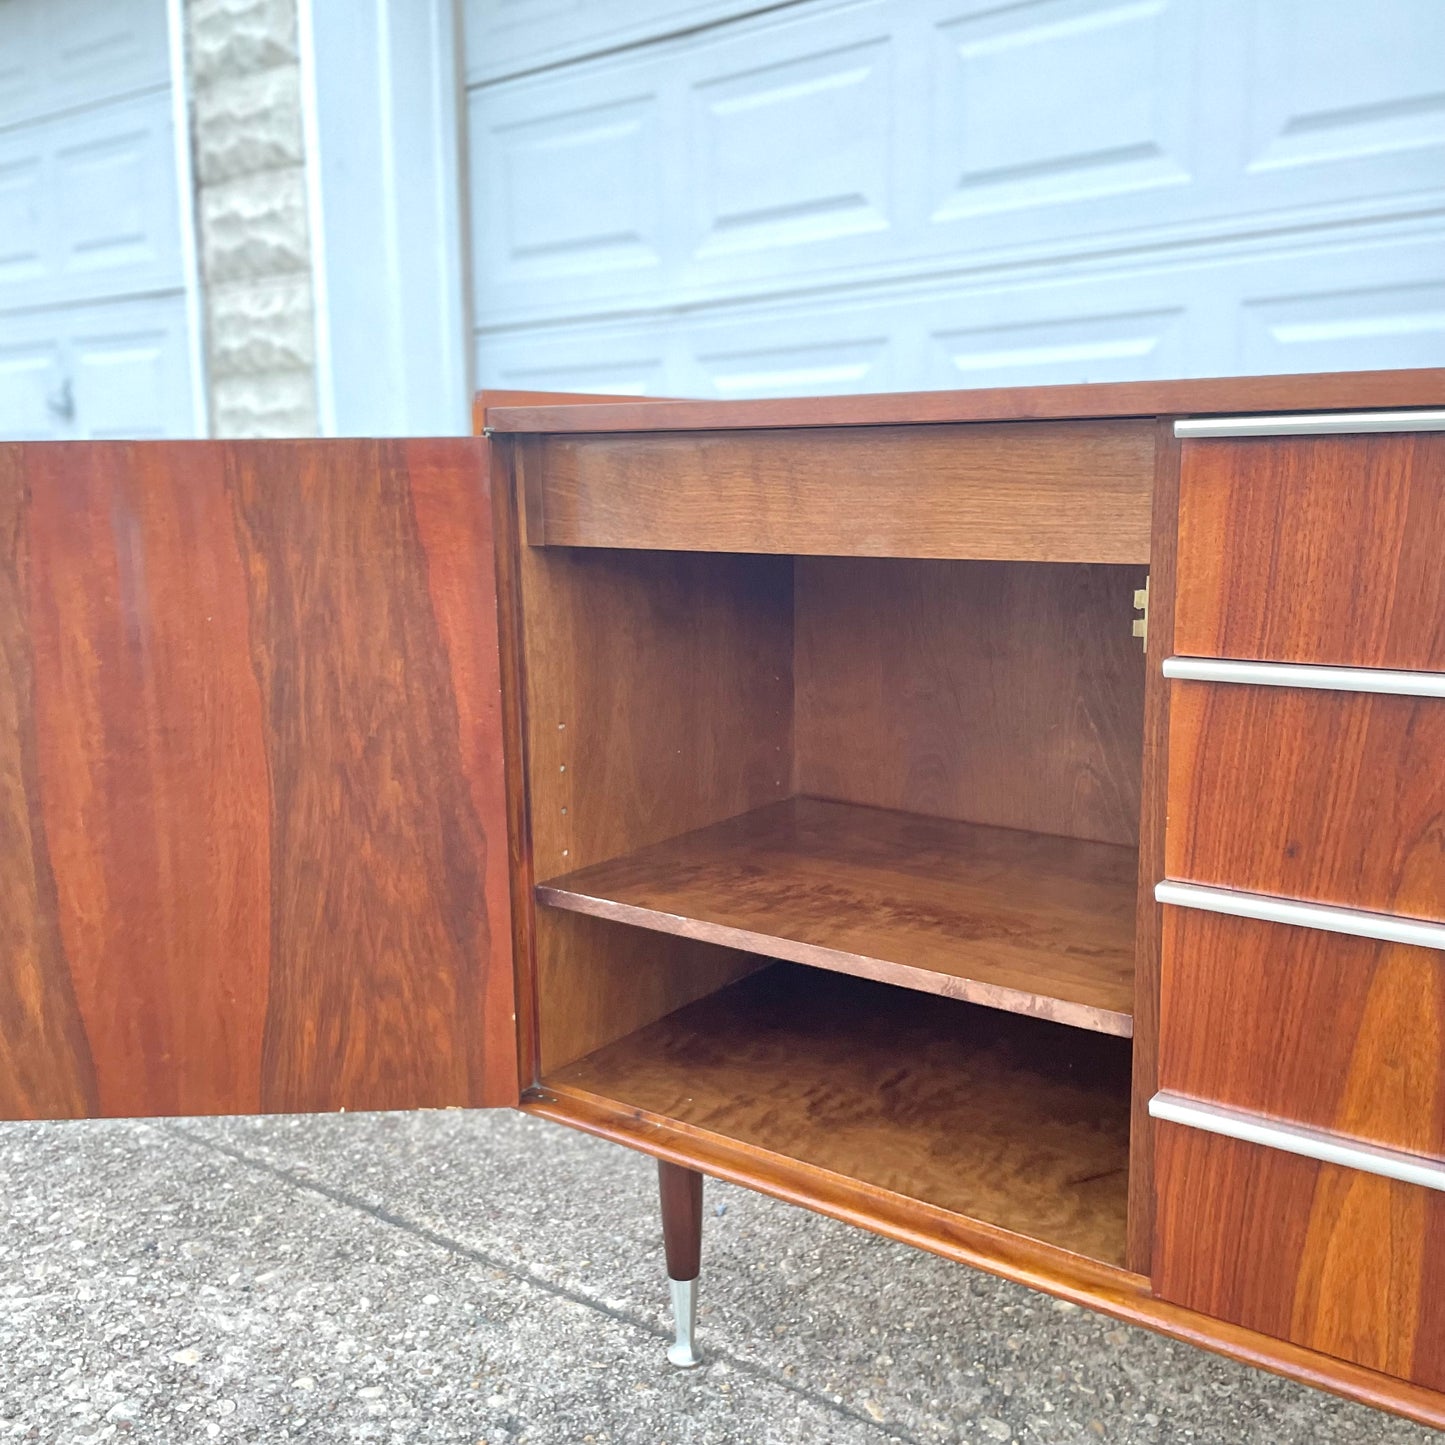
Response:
column 253, row 824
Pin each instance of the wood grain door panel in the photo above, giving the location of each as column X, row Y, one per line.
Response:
column 1324, row 1256
column 1332, row 797
column 1321, row 1029
column 253, row 848
column 1314, row 549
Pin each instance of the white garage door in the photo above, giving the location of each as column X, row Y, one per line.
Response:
column 93, row 337
column 681, row 198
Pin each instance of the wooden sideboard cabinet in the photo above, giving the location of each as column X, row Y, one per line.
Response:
column 1010, row 821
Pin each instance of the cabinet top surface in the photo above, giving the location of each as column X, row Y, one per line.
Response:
column 533, row 412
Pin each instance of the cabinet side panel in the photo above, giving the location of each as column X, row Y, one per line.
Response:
column 659, row 693
column 259, row 759
column 1002, row 693
column 1152, row 815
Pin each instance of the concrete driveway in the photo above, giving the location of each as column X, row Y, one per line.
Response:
column 469, row 1278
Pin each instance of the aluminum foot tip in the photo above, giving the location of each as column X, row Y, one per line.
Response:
column 684, row 1356
column 683, row 1351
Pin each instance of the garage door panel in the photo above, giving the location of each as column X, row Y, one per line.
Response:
column 1329, row 329
column 108, row 370
column 1046, row 104
column 1335, row 81
column 606, row 360
column 93, row 321
column 128, row 365
column 88, row 205
column 1124, row 345
column 17, row 47
column 64, row 53
column 106, row 192
column 569, row 180
column 30, row 375
column 507, row 36
column 816, row 118
column 99, row 47
column 674, row 198
column 885, row 138
column 860, row 357
column 22, row 204
column 1200, row 316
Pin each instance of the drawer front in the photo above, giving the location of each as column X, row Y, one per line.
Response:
column 1313, row 549
column 1035, row 491
column 1326, row 1030
column 1337, row 1259
column 1332, row 797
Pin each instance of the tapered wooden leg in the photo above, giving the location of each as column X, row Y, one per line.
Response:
column 681, row 1190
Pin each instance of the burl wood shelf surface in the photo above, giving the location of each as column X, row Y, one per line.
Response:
column 1018, row 921
column 1021, row 1124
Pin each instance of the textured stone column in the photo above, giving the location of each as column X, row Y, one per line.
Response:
column 250, row 167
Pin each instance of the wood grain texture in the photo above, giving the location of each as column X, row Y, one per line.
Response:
column 450, row 487
column 658, row 699
column 500, row 463
column 1058, row 492
column 680, row 1190
column 1330, row 1258
column 1018, row 1123
column 991, row 692
column 1113, row 1292
column 1017, row 921
column 1153, row 815
column 46, row 1069
column 1109, row 1290
column 659, row 696
column 1339, row 1033
column 491, row 397
column 260, row 760
column 1314, row 549
column 1330, row 797
column 1314, row 391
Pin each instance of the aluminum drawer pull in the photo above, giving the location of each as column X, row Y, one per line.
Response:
column 1387, row 927
column 1315, row 423
column 1296, row 674
column 1298, row 1139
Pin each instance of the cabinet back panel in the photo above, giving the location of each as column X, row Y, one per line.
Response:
column 1054, row 492
column 659, row 699
column 1003, row 693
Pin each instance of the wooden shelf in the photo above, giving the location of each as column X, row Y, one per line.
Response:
column 1018, row 921
column 1021, row 1124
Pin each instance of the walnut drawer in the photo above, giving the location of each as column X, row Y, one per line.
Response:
column 1315, row 1027
column 1330, row 796
column 1318, row 549
column 1055, row 491
column 1334, row 1258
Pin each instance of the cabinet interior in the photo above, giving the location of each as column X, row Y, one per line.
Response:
column 827, row 847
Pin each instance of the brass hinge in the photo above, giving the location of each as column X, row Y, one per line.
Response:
column 1141, row 624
